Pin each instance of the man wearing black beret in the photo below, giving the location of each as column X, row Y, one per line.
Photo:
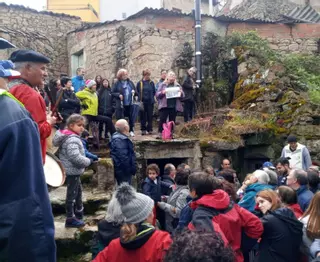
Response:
column 33, row 69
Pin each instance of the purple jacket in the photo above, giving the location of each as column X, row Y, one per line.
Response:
column 162, row 100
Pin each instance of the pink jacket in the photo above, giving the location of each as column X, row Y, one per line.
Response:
column 162, row 100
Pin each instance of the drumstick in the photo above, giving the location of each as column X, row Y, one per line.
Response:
column 57, row 103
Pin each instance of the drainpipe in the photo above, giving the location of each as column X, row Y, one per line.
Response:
column 198, row 40
column 211, row 7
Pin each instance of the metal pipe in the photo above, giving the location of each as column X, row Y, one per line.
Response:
column 198, row 40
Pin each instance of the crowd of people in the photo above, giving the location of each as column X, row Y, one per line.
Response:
column 99, row 101
column 180, row 215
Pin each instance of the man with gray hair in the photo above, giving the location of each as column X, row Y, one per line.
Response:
column 168, row 177
column 122, row 153
column 298, row 181
column 258, row 182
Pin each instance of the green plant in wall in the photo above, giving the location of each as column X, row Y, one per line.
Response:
column 184, row 59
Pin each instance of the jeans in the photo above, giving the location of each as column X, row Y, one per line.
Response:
column 164, row 113
column 74, row 195
column 146, row 116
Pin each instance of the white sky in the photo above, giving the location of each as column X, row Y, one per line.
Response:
column 35, row 4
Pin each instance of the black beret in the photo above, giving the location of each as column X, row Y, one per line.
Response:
column 28, row 56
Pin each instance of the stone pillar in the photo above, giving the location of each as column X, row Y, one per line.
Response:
column 103, row 179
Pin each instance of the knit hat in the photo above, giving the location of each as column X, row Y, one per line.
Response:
column 136, row 207
column 292, row 139
column 90, row 83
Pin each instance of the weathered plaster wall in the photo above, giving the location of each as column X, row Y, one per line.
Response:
column 299, row 38
column 41, row 31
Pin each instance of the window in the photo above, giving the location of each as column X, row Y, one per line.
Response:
column 77, row 60
column 124, row 15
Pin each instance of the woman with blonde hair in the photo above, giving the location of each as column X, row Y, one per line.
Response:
column 311, row 223
column 139, row 241
column 124, row 92
column 282, row 234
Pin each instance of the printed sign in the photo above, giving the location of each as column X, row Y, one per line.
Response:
column 173, row 92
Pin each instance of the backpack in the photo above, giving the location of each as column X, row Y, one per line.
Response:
column 167, row 132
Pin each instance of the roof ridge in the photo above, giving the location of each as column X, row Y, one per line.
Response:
column 39, row 12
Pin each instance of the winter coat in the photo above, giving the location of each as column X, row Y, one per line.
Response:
column 69, row 104
column 315, row 248
column 307, row 242
column 188, row 88
column 78, row 83
column 185, row 215
column 249, row 199
column 90, row 99
column 71, row 152
column 86, row 151
column 117, row 90
column 177, row 200
column 216, row 210
column 281, row 238
column 304, row 197
column 27, row 226
column 34, row 103
column 146, row 91
column 165, row 190
column 162, row 100
column 152, row 189
column 299, row 159
column 123, row 155
column 106, row 233
column 105, row 102
column 296, row 209
column 150, row 246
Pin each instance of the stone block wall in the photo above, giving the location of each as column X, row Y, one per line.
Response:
column 299, row 38
column 44, row 32
column 146, row 42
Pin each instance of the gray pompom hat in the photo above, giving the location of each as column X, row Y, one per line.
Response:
column 135, row 207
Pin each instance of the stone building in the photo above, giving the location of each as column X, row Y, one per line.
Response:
column 45, row 32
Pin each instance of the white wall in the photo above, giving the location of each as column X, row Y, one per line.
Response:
column 113, row 9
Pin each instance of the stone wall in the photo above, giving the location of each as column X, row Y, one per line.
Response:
column 146, row 42
column 299, row 38
column 44, row 32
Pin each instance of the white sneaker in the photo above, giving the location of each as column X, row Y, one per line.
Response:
column 132, row 134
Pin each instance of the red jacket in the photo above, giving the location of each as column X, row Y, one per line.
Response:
column 296, row 210
column 152, row 251
column 36, row 106
column 231, row 218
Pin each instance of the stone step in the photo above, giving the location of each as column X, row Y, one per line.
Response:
column 73, row 245
column 93, row 200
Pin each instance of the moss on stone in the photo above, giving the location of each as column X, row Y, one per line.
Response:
column 248, row 97
column 107, row 162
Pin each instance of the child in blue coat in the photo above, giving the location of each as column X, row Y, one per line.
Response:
column 84, row 139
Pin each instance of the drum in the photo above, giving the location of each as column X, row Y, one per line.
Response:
column 53, row 171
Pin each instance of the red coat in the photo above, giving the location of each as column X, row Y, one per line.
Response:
column 231, row 219
column 152, row 251
column 34, row 103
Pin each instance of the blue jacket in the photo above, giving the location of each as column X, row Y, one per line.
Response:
column 26, row 220
column 151, row 189
column 123, row 155
column 315, row 248
column 86, row 151
column 185, row 215
column 249, row 199
column 78, row 83
column 304, row 197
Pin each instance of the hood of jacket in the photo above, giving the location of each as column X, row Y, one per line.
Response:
column 257, row 187
column 107, row 232
column 144, row 232
column 219, row 199
column 287, row 216
column 61, row 136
